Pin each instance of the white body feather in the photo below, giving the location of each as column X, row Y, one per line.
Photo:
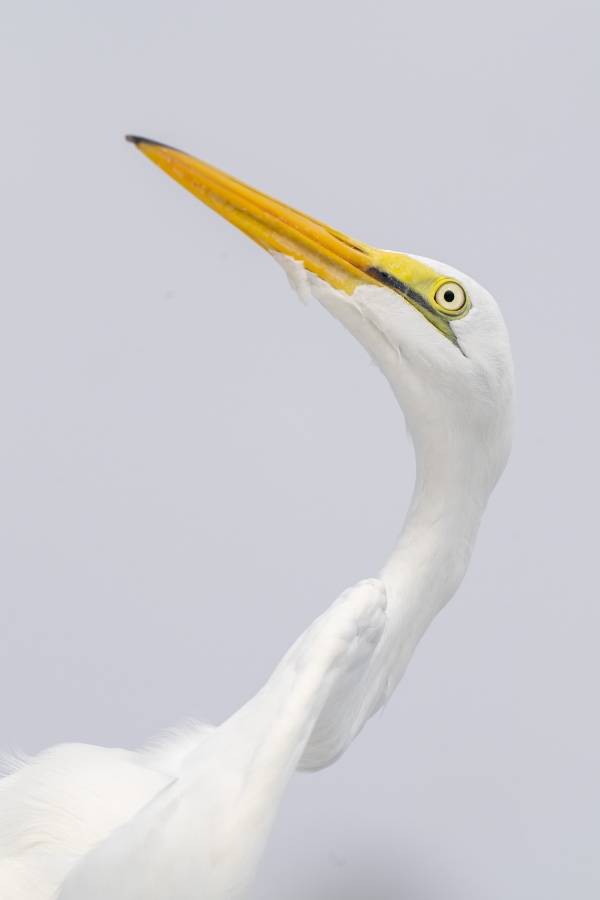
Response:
column 189, row 816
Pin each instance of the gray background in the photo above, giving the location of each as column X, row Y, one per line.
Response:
column 194, row 465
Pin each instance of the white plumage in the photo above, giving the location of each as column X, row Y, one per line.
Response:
column 188, row 816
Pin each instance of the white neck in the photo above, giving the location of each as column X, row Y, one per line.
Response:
column 422, row 572
column 428, row 560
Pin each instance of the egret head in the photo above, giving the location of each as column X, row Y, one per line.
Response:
column 453, row 379
column 436, row 334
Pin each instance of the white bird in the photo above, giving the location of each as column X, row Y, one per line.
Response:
column 188, row 817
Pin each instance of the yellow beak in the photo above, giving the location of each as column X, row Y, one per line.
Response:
column 341, row 261
column 331, row 255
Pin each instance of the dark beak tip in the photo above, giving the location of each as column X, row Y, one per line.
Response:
column 135, row 139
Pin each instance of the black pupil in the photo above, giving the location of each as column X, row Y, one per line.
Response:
column 448, row 296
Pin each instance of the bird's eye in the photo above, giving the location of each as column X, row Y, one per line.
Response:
column 450, row 296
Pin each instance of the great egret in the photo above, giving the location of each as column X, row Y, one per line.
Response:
column 188, row 817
